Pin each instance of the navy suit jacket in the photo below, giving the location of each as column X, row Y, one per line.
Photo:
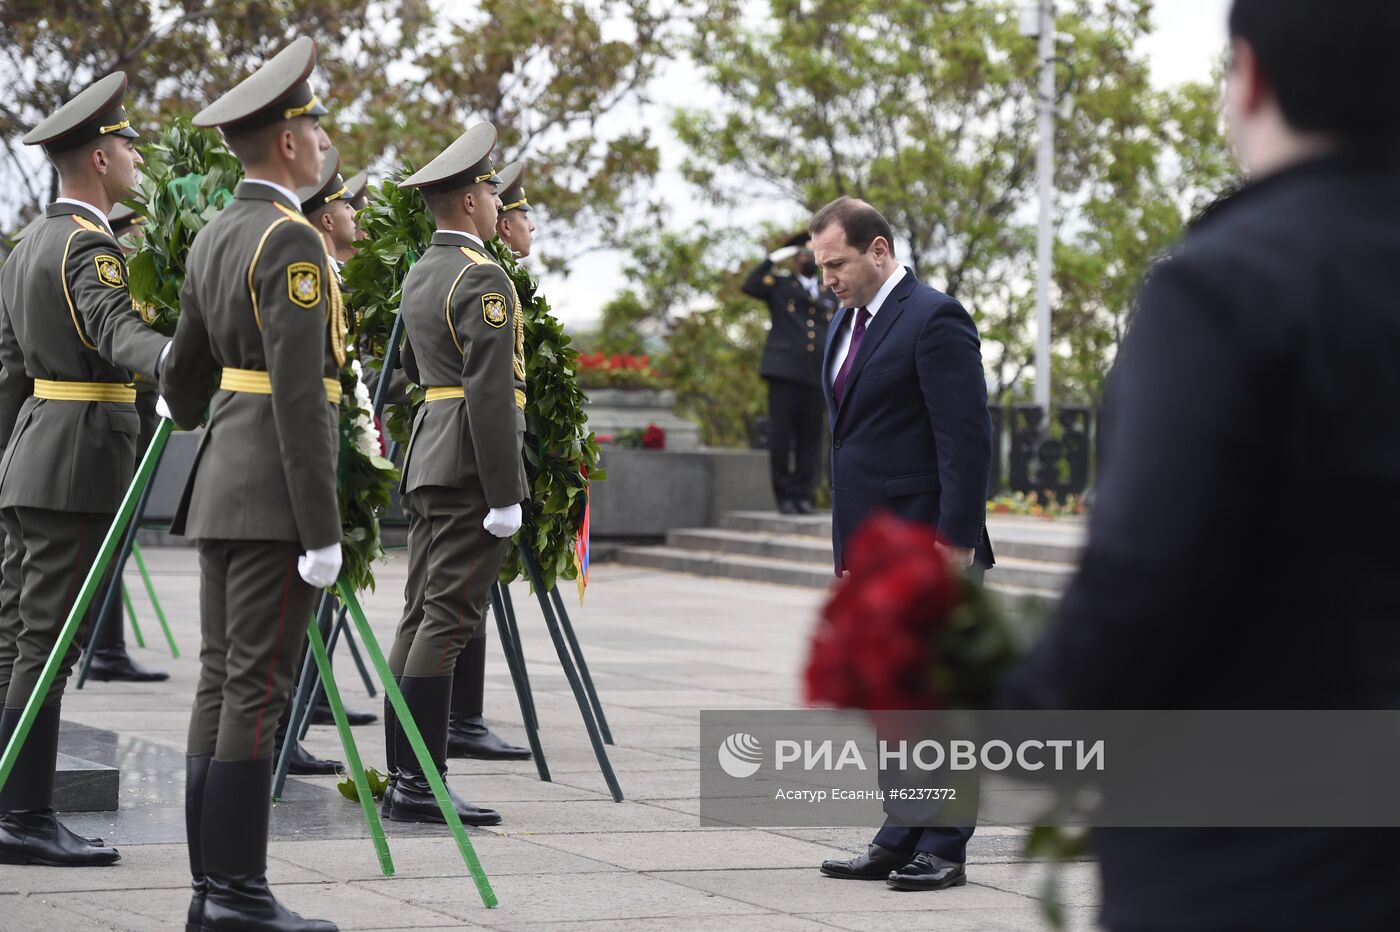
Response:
column 913, row 434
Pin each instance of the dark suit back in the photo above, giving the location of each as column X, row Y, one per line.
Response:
column 1244, row 546
column 913, row 434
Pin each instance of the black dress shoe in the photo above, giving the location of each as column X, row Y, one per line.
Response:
column 321, row 715
column 928, row 872
column 875, row 864
column 787, row 506
column 305, row 764
column 469, row 737
column 36, row 837
column 803, row 506
column 113, row 664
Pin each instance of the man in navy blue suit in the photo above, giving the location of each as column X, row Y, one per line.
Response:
column 910, row 434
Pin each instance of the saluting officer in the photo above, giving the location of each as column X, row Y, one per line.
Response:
column 261, row 334
column 463, row 476
column 69, row 341
column 468, row 734
column 800, row 311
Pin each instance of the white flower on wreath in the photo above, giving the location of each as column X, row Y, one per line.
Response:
column 366, row 432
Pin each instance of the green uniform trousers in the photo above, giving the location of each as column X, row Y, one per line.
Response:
column 254, row 610
column 452, row 562
column 47, row 557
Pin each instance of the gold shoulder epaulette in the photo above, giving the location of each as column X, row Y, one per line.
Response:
column 477, row 257
column 88, row 225
column 294, row 215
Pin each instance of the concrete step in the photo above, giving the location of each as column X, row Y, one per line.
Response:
column 1038, row 575
column 729, row 566
column 770, row 522
column 793, row 547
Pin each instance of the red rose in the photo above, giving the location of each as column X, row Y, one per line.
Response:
column 654, row 438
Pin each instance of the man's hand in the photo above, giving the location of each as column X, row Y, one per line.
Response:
column 163, row 409
column 961, row 557
column 784, row 252
column 320, row 568
column 503, row 522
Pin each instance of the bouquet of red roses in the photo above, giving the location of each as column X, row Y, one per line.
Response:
column 905, row 629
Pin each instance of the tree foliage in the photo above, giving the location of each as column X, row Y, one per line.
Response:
column 927, row 108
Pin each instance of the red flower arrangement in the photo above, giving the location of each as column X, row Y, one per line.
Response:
column 905, row 630
column 654, row 438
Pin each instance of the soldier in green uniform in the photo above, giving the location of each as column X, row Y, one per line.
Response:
column 110, row 660
column 468, row 734
column 327, row 205
column 69, row 341
column 261, row 337
column 464, row 479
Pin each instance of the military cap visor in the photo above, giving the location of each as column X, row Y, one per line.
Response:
column 799, row 239
column 122, row 218
column 467, row 161
column 96, row 112
column 277, row 91
column 331, row 186
column 513, row 187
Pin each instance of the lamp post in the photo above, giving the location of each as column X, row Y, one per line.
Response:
column 1039, row 20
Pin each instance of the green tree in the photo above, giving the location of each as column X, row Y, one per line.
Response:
column 927, row 108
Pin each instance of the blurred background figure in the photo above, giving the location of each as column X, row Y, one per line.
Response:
column 800, row 310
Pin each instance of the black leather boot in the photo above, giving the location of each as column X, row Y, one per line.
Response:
column 233, row 838
column 196, row 773
column 391, row 742
column 321, row 713
column 467, row 734
column 410, row 798
column 303, row 763
column 29, row 832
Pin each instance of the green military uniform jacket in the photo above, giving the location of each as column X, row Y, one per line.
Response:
column 66, row 316
column 465, row 330
column 259, row 295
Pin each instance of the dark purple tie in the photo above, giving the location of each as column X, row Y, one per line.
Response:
column 838, row 388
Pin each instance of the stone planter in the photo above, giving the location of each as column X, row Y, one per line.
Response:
column 650, row 492
column 612, row 410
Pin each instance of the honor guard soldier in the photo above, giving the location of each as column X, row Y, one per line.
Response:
column 69, row 341
column 110, row 660
column 463, row 475
column 327, row 206
column 467, row 732
column 800, row 311
column 260, row 343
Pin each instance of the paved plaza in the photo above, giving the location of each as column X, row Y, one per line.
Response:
column 662, row 647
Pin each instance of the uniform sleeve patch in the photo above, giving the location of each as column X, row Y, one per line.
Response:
column 304, row 284
column 493, row 309
column 109, row 271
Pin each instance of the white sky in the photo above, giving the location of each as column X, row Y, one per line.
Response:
column 1188, row 38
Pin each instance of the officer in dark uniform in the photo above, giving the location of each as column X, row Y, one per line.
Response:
column 69, row 341
column 110, row 660
column 463, row 476
column 467, row 732
column 800, row 311
column 261, row 335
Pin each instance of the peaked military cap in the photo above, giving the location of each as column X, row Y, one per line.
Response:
column 123, row 218
column 513, row 187
column 355, row 189
column 467, row 161
column 799, row 239
column 97, row 111
column 278, row 90
column 331, row 187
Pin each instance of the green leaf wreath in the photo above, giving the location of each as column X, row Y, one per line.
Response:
column 561, row 456
column 188, row 178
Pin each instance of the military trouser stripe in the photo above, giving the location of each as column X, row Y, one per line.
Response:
column 276, row 649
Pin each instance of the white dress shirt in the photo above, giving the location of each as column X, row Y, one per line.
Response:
column 843, row 340
column 290, row 195
column 86, row 206
column 810, row 284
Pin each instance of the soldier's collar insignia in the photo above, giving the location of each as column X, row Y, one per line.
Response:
column 109, row 271
column 304, row 284
column 493, row 309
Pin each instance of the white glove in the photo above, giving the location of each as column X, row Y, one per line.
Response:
column 163, row 409
column 320, row 568
column 503, row 522
column 785, row 252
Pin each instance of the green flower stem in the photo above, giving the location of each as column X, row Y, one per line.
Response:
column 415, row 738
column 352, row 752
column 155, row 602
column 85, row 596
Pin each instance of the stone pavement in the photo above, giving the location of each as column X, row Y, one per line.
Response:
column 661, row 647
